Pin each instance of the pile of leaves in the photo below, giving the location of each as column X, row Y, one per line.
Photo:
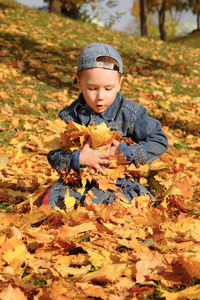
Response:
column 75, row 137
column 119, row 251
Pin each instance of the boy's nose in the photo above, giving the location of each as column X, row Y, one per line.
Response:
column 100, row 95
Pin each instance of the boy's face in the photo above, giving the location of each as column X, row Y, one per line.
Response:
column 99, row 87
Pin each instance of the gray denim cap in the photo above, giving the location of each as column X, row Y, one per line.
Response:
column 87, row 58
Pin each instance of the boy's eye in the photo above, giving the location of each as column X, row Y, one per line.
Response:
column 108, row 89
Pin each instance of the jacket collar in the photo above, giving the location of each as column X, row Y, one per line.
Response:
column 109, row 114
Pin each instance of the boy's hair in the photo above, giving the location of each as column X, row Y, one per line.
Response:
column 99, row 55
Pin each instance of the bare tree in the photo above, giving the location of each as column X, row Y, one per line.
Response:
column 54, row 6
column 161, row 14
column 143, row 18
column 195, row 6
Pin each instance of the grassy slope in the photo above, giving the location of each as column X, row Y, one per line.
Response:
column 43, row 50
column 38, row 56
column 192, row 40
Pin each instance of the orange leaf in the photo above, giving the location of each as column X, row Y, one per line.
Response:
column 11, row 293
column 109, row 273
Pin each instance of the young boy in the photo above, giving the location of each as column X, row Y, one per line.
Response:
column 99, row 77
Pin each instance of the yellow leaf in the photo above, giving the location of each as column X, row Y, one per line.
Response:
column 172, row 190
column 3, row 95
column 108, row 273
column 122, row 198
column 69, row 201
column 100, row 134
column 15, row 121
column 75, row 125
column 81, row 191
column 100, row 259
column 66, row 271
column 3, row 161
column 87, row 226
column 56, row 126
column 189, row 293
column 51, row 142
column 16, row 155
column 20, row 253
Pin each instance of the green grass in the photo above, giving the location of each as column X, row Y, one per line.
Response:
column 191, row 40
column 4, row 208
column 36, row 280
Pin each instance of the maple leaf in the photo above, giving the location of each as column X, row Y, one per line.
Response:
column 69, row 201
column 100, row 135
column 67, row 271
column 189, row 293
column 99, row 259
column 16, row 257
column 10, row 293
column 108, row 273
column 92, row 291
column 148, row 265
column 3, row 161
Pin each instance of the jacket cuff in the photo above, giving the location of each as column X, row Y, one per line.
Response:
column 139, row 155
column 127, row 152
column 74, row 164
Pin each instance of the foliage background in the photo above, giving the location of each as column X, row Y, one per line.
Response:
column 107, row 252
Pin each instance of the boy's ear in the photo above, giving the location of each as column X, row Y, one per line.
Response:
column 78, row 82
column 120, row 82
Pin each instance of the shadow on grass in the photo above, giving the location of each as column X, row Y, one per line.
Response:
column 145, row 65
column 5, row 6
column 36, row 56
column 191, row 40
column 55, row 66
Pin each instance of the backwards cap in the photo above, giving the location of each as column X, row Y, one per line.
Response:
column 89, row 55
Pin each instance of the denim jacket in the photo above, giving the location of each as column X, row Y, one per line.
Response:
column 125, row 116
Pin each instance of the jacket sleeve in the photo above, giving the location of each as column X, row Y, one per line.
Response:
column 64, row 161
column 151, row 141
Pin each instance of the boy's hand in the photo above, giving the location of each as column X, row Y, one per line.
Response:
column 96, row 158
column 115, row 148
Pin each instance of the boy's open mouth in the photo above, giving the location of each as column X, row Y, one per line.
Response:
column 99, row 106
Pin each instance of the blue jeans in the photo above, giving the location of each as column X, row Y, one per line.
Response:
column 56, row 194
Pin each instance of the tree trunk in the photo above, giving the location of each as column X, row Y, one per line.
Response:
column 54, row 6
column 161, row 13
column 143, row 18
column 198, row 22
column 72, row 13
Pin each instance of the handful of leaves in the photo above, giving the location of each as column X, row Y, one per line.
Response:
column 74, row 137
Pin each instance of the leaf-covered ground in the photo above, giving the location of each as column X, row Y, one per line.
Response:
column 109, row 252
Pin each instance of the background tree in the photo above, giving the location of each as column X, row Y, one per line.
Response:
column 139, row 11
column 86, row 10
column 195, row 6
column 159, row 7
column 54, row 6
column 68, row 7
column 143, row 17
